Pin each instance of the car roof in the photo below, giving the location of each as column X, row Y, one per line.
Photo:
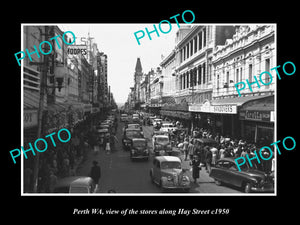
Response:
column 78, row 180
column 167, row 159
column 131, row 124
column 138, row 139
column 132, row 128
column 228, row 159
column 160, row 135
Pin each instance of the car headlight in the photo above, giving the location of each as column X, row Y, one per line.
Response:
column 185, row 178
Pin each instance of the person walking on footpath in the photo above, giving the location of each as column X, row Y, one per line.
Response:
column 185, row 148
column 191, row 149
column 208, row 159
column 195, row 163
column 95, row 173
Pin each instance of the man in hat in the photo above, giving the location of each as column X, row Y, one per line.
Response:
column 95, row 173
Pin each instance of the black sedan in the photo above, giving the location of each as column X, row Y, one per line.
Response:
column 249, row 179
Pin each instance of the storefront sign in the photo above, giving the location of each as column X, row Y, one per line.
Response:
column 228, row 109
column 77, row 49
column 30, row 118
column 208, row 108
column 255, row 115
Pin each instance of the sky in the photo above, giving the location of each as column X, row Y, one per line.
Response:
column 118, row 42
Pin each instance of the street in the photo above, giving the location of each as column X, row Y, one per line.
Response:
column 119, row 173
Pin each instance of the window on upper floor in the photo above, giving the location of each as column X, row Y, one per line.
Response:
column 195, row 45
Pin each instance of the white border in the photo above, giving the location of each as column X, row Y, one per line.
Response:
column 146, row 194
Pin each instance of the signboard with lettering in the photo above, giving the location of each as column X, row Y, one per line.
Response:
column 255, row 115
column 208, row 108
column 77, row 49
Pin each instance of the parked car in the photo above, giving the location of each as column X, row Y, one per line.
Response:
column 139, row 149
column 161, row 145
column 249, row 178
column 168, row 126
column 159, row 132
column 168, row 173
column 124, row 118
column 75, row 184
column 133, row 126
column 129, row 134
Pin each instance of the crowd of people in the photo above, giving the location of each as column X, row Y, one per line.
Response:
column 215, row 146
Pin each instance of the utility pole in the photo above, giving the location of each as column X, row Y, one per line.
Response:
column 43, row 85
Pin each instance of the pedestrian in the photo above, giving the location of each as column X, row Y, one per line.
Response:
column 95, row 173
column 195, row 163
column 52, row 181
column 208, row 158
column 107, row 147
column 191, row 149
column 185, row 148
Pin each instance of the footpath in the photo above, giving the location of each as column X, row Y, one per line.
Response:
column 204, row 175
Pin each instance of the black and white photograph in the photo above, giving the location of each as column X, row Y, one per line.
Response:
column 138, row 111
column 169, row 109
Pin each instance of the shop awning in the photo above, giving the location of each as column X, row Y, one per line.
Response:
column 230, row 105
column 238, row 101
column 177, row 114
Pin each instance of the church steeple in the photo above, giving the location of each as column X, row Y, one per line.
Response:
column 138, row 66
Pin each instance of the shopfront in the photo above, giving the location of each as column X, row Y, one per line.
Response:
column 219, row 118
column 250, row 117
column 257, row 120
column 178, row 112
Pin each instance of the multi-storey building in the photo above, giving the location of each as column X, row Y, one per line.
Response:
column 251, row 51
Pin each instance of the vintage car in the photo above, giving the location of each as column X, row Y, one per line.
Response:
column 129, row 134
column 133, row 126
column 139, row 149
column 161, row 145
column 249, row 179
column 159, row 132
column 75, row 184
column 168, row 127
column 168, row 173
column 135, row 118
column 124, row 118
column 101, row 134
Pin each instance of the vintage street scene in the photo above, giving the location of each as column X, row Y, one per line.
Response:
column 166, row 115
